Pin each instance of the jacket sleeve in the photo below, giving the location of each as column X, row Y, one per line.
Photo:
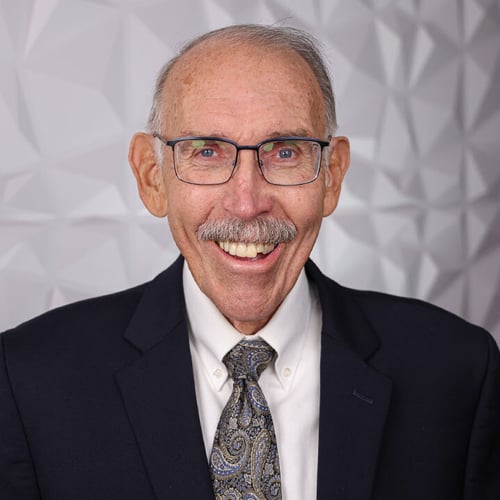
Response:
column 482, row 477
column 17, row 475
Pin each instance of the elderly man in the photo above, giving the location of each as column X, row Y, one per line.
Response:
column 242, row 372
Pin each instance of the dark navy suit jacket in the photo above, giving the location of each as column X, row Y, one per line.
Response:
column 97, row 401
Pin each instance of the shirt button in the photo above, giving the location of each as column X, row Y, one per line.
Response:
column 287, row 372
column 218, row 373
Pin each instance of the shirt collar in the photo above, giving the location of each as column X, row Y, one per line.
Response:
column 212, row 336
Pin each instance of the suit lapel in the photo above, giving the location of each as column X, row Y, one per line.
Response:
column 159, row 395
column 354, row 397
column 353, row 408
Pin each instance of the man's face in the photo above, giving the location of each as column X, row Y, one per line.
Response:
column 245, row 95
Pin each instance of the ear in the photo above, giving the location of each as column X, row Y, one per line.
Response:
column 336, row 170
column 148, row 174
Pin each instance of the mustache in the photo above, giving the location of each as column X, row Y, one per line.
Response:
column 269, row 230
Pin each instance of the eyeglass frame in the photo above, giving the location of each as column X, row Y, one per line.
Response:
column 322, row 144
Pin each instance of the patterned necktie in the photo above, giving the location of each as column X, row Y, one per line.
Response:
column 244, row 462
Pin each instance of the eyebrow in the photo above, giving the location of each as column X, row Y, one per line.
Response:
column 289, row 133
column 300, row 132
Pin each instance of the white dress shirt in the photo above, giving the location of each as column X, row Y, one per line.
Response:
column 290, row 385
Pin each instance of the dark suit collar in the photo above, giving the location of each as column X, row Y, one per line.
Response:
column 160, row 310
column 343, row 319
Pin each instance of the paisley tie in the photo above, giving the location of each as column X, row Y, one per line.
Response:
column 244, row 461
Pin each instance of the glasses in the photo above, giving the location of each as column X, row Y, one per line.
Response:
column 283, row 161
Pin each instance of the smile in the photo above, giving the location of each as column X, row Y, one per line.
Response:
column 248, row 250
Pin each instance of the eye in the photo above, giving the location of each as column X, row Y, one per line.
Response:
column 285, row 153
column 204, row 149
column 282, row 150
column 206, row 152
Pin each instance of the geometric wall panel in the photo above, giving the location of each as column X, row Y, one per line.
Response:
column 418, row 92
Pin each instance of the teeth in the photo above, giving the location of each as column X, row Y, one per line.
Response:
column 248, row 250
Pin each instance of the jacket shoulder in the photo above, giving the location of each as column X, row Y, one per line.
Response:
column 399, row 323
column 414, row 315
column 85, row 318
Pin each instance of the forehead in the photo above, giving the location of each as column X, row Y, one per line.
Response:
column 218, row 79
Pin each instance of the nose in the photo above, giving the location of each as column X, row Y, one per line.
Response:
column 247, row 191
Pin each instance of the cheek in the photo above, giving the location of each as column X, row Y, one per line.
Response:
column 183, row 225
column 307, row 210
column 189, row 207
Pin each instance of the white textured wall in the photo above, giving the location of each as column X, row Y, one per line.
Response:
column 418, row 90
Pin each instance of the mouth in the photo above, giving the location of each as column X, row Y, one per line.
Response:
column 246, row 250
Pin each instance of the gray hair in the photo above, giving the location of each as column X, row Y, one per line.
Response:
column 295, row 39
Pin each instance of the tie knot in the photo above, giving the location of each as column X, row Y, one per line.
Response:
column 248, row 359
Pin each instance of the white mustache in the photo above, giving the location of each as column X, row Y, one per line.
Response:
column 268, row 230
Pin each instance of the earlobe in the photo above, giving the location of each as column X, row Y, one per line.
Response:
column 336, row 170
column 148, row 174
